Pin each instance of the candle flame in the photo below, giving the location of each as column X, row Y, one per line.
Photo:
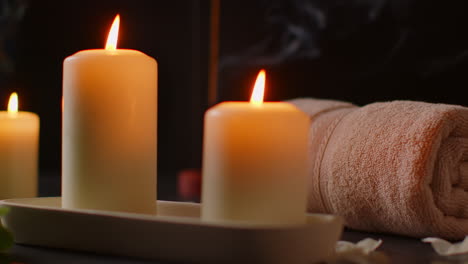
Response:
column 111, row 43
column 13, row 103
column 259, row 89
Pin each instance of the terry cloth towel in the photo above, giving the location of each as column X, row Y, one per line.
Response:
column 395, row 167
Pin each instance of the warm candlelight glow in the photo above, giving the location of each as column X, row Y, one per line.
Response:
column 259, row 89
column 111, row 43
column 13, row 103
column 96, row 170
column 243, row 170
column 19, row 138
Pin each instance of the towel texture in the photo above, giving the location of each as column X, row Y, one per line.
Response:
column 396, row 167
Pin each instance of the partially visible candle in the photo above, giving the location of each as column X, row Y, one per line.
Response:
column 109, row 129
column 255, row 162
column 19, row 140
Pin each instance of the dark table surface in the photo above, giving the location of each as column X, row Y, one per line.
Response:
column 398, row 249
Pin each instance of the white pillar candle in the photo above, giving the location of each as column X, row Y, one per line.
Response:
column 109, row 129
column 19, row 139
column 255, row 162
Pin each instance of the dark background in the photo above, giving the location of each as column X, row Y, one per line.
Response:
column 174, row 33
column 357, row 51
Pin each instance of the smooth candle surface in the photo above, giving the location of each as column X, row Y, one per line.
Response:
column 19, row 140
column 109, row 131
column 255, row 163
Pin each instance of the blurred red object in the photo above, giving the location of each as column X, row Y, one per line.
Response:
column 189, row 184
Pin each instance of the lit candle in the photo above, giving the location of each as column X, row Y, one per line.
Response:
column 255, row 162
column 109, row 129
column 19, row 138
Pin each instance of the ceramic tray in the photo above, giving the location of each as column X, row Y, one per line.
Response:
column 175, row 234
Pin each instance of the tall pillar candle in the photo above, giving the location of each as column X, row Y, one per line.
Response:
column 255, row 162
column 19, row 140
column 109, row 129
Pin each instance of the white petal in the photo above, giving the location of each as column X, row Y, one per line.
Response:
column 445, row 248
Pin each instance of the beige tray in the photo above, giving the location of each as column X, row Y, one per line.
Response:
column 175, row 234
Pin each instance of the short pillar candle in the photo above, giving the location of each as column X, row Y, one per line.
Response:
column 255, row 162
column 19, row 145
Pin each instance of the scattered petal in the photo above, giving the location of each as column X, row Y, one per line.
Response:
column 365, row 246
column 445, row 248
column 362, row 252
column 369, row 245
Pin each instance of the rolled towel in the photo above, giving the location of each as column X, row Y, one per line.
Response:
column 395, row 167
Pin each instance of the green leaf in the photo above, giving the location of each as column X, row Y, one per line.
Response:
column 6, row 238
column 4, row 210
